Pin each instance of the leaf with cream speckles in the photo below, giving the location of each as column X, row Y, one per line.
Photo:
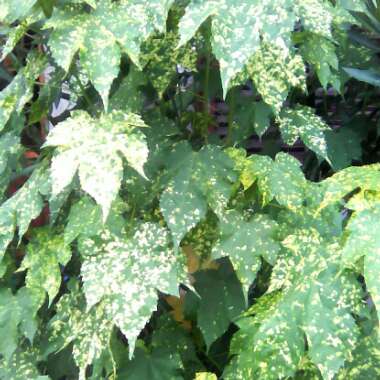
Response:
column 200, row 179
column 238, row 27
column 12, row 10
column 127, row 273
column 45, row 252
column 364, row 363
column 281, row 179
column 246, row 244
column 102, row 35
column 94, row 148
column 315, row 304
column 302, row 122
column 364, row 240
column 22, row 365
column 88, row 331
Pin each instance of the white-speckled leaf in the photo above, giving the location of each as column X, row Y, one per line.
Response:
column 88, row 331
column 93, row 147
column 126, row 274
column 302, row 122
column 199, row 179
column 101, row 35
column 238, row 26
column 246, row 243
column 316, row 303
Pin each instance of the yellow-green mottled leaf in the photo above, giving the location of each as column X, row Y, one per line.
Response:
column 45, row 252
column 275, row 72
column 315, row 303
column 205, row 376
column 364, row 240
column 347, row 180
column 14, row 97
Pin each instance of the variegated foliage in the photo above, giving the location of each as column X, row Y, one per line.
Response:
column 137, row 244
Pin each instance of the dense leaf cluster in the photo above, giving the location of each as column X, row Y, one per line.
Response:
column 141, row 237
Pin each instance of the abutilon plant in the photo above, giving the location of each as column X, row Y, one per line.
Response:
column 190, row 189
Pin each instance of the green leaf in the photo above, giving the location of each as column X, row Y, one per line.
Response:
column 246, row 244
column 364, row 240
column 45, row 252
column 199, row 179
column 85, row 219
column 93, row 147
column 17, row 318
column 367, row 76
column 128, row 97
column 156, row 365
column 12, row 10
column 101, row 39
column 302, row 122
column 343, row 147
column 221, row 300
column 22, row 208
column 127, row 272
column 14, row 97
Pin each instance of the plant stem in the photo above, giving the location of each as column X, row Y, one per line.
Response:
column 84, row 93
column 231, row 112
